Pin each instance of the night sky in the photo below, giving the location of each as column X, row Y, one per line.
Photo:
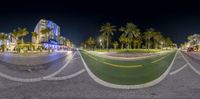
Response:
column 80, row 19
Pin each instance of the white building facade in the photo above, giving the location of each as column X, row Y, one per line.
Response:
column 51, row 41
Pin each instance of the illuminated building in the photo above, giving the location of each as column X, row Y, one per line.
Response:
column 9, row 43
column 50, row 40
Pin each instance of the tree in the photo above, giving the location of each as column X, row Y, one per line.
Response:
column 157, row 36
column 148, row 36
column 123, row 40
column 168, row 42
column 68, row 43
column 91, row 42
column 3, row 38
column 15, row 35
column 19, row 32
column 35, row 35
column 61, row 39
column 131, row 31
column 22, row 32
column 193, row 39
column 115, row 44
column 107, row 31
column 46, row 32
column 138, row 42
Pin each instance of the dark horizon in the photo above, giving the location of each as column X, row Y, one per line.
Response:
column 80, row 19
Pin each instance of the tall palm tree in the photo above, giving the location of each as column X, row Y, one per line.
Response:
column 3, row 38
column 91, row 42
column 15, row 35
column 22, row 32
column 168, row 42
column 131, row 31
column 123, row 40
column 107, row 31
column 115, row 44
column 148, row 36
column 157, row 38
column 138, row 41
column 35, row 35
column 46, row 32
column 19, row 32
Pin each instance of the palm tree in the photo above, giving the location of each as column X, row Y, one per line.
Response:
column 46, row 32
column 148, row 36
column 115, row 44
column 15, row 35
column 3, row 38
column 35, row 35
column 22, row 32
column 107, row 31
column 19, row 32
column 157, row 38
column 131, row 31
column 138, row 41
column 91, row 42
column 168, row 42
column 123, row 40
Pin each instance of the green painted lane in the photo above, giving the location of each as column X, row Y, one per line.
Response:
column 128, row 72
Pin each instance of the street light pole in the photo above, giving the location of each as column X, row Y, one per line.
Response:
column 100, row 43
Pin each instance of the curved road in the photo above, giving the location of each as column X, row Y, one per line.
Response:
column 182, row 83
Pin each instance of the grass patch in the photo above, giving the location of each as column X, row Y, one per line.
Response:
column 149, row 70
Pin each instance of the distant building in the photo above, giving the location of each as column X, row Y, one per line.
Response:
column 43, row 24
column 10, row 43
column 53, row 40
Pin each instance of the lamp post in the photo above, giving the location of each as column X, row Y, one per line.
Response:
column 100, row 41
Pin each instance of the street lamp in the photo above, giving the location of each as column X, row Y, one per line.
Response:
column 100, row 41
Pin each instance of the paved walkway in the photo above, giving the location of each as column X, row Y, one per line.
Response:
column 31, row 60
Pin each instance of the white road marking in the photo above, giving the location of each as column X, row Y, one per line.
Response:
column 178, row 70
column 76, row 58
column 36, row 79
column 68, row 76
column 194, row 69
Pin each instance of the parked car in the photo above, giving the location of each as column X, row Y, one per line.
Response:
column 190, row 49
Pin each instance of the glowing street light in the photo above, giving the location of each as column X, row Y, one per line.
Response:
column 100, row 41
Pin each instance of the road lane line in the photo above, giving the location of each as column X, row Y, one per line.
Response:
column 67, row 77
column 58, row 71
column 194, row 69
column 122, row 66
column 76, row 58
column 35, row 79
column 178, row 70
column 114, row 65
column 159, row 59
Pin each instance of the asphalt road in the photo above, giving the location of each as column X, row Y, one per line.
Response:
column 181, row 83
